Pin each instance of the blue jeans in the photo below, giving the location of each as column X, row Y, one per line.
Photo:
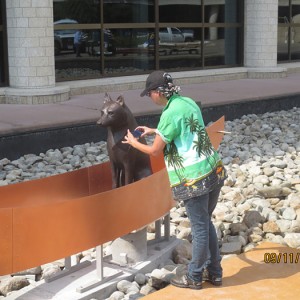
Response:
column 205, row 249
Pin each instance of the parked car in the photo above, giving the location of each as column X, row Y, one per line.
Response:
column 64, row 38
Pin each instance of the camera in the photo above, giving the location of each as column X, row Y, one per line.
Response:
column 137, row 133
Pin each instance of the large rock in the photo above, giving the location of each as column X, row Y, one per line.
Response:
column 231, row 248
column 147, row 289
column 292, row 240
column 160, row 278
column 252, row 218
column 50, row 271
column 271, row 192
column 271, row 227
column 236, row 228
column 183, row 250
column 289, row 214
column 124, row 286
column 13, row 284
column 234, row 195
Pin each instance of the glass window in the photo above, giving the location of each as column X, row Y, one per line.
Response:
column 130, row 39
column 81, row 11
column 213, row 13
column 3, row 45
column 295, row 8
column 283, row 30
column 2, row 78
column 222, row 34
column 295, row 30
column 180, row 48
column 222, row 11
column 78, row 54
column 223, row 49
column 288, row 47
column 128, row 11
column 134, row 51
column 77, row 20
column 185, row 11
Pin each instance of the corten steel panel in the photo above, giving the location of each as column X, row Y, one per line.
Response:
column 54, row 188
column 6, row 259
column 44, row 233
column 213, row 132
column 100, row 175
column 54, row 217
column 37, row 206
column 157, row 163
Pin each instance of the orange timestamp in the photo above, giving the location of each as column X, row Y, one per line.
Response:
column 276, row 258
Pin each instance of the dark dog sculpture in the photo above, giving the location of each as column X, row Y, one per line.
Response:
column 127, row 164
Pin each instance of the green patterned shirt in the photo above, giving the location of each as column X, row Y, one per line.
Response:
column 192, row 163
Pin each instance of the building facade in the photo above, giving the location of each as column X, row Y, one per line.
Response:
column 51, row 49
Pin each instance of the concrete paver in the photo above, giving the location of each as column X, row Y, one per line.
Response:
column 85, row 108
column 248, row 276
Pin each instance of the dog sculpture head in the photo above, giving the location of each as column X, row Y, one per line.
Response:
column 114, row 113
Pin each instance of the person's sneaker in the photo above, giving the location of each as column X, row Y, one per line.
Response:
column 185, row 282
column 215, row 280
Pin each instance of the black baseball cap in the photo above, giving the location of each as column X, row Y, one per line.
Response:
column 156, row 79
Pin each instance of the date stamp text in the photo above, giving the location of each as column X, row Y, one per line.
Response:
column 276, row 258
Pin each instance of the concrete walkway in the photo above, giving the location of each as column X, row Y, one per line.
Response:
column 85, row 108
column 250, row 275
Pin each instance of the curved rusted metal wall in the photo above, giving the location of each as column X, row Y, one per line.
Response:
column 51, row 218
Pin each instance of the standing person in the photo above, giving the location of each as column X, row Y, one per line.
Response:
column 195, row 171
column 77, row 42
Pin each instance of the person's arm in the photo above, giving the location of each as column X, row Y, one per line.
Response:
column 154, row 150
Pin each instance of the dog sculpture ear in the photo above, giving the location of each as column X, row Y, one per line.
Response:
column 120, row 100
column 107, row 98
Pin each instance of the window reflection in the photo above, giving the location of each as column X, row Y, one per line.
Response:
column 125, row 51
column 134, row 51
column 64, row 38
column 214, row 46
column 222, row 11
column 288, row 30
column 283, row 35
column 180, row 11
column 2, row 79
column 2, row 63
column 295, row 30
column 179, row 48
column 1, row 11
column 93, row 43
column 222, row 50
column 186, row 34
column 128, row 11
column 83, row 11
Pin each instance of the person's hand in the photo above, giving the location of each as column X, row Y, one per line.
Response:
column 145, row 130
column 129, row 138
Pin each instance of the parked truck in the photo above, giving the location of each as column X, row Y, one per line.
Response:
column 175, row 35
column 172, row 40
